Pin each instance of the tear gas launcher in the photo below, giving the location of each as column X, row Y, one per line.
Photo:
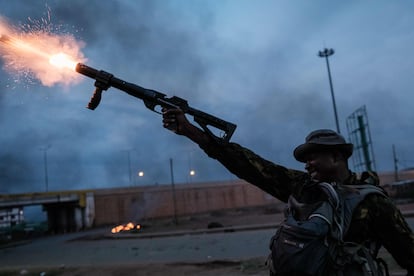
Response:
column 153, row 99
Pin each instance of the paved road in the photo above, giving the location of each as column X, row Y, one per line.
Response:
column 56, row 251
column 69, row 251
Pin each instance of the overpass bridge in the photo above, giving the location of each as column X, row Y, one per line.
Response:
column 66, row 210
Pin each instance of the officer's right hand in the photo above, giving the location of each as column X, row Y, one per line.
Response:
column 175, row 120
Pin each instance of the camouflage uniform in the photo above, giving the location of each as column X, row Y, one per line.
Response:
column 376, row 218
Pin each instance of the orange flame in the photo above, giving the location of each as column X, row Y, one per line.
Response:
column 62, row 60
column 34, row 53
column 125, row 227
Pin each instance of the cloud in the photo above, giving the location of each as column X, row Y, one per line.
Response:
column 251, row 63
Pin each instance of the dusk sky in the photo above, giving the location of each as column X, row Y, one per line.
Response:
column 253, row 63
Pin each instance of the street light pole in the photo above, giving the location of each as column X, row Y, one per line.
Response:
column 45, row 165
column 325, row 54
column 174, row 198
column 129, row 168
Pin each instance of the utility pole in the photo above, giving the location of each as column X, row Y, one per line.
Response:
column 45, row 149
column 325, row 53
column 173, row 192
column 396, row 178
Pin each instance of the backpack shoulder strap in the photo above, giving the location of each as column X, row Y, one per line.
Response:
column 335, row 202
column 333, row 196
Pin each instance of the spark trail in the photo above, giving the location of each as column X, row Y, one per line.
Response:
column 33, row 52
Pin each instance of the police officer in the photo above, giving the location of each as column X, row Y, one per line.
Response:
column 325, row 154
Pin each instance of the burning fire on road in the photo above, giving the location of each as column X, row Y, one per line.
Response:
column 129, row 227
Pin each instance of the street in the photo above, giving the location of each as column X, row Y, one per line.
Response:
column 59, row 250
column 73, row 250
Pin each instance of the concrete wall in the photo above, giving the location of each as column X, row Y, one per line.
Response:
column 389, row 177
column 118, row 206
column 122, row 205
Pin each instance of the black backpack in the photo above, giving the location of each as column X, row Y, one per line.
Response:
column 310, row 239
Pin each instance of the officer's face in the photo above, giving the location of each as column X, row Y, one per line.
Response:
column 321, row 166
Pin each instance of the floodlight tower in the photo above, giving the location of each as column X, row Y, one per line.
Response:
column 325, row 54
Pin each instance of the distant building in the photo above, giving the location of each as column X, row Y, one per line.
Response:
column 11, row 216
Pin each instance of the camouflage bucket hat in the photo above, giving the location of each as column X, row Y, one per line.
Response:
column 322, row 140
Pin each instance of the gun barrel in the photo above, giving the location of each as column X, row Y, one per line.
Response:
column 108, row 80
